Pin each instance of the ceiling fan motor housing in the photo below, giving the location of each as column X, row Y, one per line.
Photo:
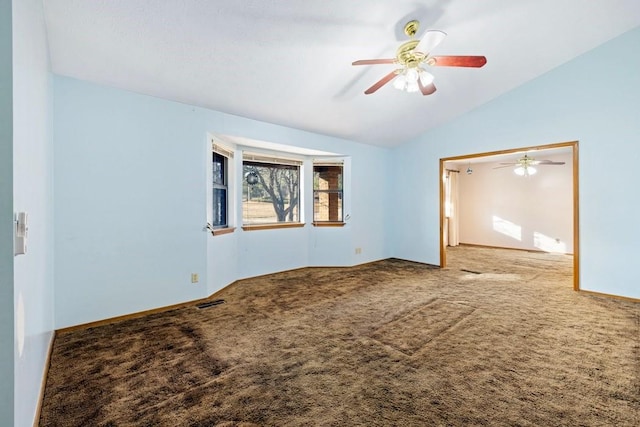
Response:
column 408, row 56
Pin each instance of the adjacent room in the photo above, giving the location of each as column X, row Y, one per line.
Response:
column 520, row 199
column 245, row 213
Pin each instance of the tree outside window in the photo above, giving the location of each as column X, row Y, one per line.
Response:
column 270, row 193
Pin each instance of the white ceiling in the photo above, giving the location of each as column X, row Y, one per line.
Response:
column 289, row 62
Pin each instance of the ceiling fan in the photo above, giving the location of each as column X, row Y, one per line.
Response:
column 412, row 56
column 524, row 166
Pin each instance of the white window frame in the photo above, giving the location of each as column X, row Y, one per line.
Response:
column 332, row 163
column 228, row 154
column 275, row 159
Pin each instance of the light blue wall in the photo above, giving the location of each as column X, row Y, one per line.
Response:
column 25, row 185
column 6, row 216
column 130, row 205
column 129, row 202
column 32, row 193
column 593, row 99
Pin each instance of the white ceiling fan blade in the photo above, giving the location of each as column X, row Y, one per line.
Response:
column 430, row 40
column 547, row 162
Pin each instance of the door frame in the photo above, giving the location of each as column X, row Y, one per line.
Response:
column 576, row 205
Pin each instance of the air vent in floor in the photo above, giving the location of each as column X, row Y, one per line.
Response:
column 210, row 303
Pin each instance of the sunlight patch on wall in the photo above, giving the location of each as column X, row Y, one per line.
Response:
column 548, row 244
column 507, row 228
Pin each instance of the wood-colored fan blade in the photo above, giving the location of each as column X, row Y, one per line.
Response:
column 459, row 61
column 383, row 81
column 430, row 40
column 504, row 166
column 374, row 61
column 428, row 89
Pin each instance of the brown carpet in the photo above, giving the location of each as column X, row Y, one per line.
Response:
column 497, row 338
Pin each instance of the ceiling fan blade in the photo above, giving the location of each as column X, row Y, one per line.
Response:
column 458, row 61
column 428, row 89
column 383, row 81
column 430, row 40
column 547, row 162
column 374, row 61
column 505, row 166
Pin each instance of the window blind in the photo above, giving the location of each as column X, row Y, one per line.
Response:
column 328, row 162
column 263, row 158
column 222, row 150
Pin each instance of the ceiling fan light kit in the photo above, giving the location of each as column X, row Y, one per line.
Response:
column 525, row 170
column 412, row 55
column 407, row 80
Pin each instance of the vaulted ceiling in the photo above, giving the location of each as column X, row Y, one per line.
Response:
column 289, row 62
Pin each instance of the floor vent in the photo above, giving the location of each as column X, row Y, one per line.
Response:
column 470, row 271
column 210, row 303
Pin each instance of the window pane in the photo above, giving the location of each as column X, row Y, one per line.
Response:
column 219, row 169
column 327, row 206
column 270, row 193
column 327, row 177
column 219, row 163
column 327, row 194
column 219, row 207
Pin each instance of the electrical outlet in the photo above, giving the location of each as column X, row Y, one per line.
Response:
column 194, row 278
column 358, row 251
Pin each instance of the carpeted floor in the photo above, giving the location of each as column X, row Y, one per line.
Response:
column 497, row 338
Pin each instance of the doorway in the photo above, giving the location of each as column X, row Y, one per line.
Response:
column 572, row 146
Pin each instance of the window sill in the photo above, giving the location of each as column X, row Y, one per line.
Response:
column 329, row 224
column 221, row 231
column 256, row 227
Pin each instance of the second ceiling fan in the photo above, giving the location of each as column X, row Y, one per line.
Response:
column 524, row 166
column 412, row 55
